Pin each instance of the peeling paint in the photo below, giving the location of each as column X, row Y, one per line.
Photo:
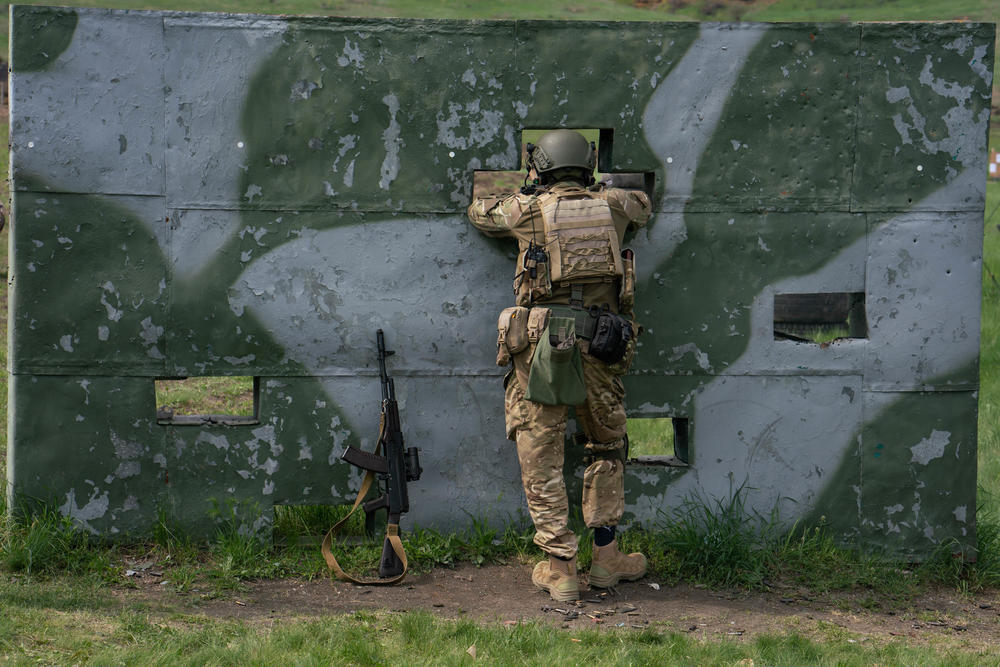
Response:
column 393, row 142
column 95, row 508
column 127, row 469
column 930, row 448
column 218, row 441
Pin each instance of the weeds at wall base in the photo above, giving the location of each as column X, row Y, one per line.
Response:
column 716, row 544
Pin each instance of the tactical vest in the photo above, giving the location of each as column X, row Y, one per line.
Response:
column 581, row 238
column 581, row 243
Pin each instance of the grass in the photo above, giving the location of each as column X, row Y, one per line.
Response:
column 653, row 436
column 989, row 360
column 206, row 396
column 57, row 615
column 136, row 637
column 717, row 543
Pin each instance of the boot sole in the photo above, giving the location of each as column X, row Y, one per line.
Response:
column 607, row 581
column 560, row 596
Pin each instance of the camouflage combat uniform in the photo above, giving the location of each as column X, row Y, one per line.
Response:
column 539, row 430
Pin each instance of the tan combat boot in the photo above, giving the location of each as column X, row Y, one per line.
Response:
column 609, row 566
column 558, row 577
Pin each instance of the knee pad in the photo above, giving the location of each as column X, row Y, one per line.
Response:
column 611, row 451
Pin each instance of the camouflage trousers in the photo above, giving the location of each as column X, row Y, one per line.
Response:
column 539, row 431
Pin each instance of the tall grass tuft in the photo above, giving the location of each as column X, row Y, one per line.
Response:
column 39, row 542
column 719, row 542
column 240, row 552
column 985, row 572
column 169, row 535
column 241, row 556
column 982, row 572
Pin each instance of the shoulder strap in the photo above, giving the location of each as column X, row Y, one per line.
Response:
column 391, row 534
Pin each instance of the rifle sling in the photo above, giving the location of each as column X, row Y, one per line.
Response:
column 391, row 531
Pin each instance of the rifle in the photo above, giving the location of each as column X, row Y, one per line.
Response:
column 395, row 467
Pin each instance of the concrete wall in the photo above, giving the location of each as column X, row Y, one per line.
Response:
column 202, row 194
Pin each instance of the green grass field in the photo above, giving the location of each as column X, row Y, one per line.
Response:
column 989, row 362
column 58, row 594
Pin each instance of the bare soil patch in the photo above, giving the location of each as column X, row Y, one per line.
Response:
column 504, row 594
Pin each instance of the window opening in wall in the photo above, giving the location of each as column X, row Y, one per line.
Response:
column 195, row 401
column 496, row 182
column 820, row 317
column 660, row 441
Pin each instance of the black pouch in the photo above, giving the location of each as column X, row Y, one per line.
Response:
column 612, row 334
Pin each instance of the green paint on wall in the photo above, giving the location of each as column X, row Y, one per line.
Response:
column 918, row 472
column 40, row 36
column 386, row 116
column 910, row 484
column 918, row 109
column 92, row 400
column 799, row 91
column 567, row 76
column 107, row 310
column 730, row 257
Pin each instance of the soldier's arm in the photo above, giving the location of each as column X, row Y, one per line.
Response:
column 496, row 216
column 633, row 205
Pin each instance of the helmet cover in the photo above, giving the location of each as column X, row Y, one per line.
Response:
column 557, row 149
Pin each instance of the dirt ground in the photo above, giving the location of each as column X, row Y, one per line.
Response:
column 504, row 594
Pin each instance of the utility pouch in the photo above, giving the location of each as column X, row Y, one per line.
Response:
column 556, row 376
column 626, row 295
column 611, row 338
column 533, row 283
column 538, row 320
column 512, row 333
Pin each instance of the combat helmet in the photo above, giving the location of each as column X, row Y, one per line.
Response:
column 559, row 149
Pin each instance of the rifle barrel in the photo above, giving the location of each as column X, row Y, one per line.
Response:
column 387, row 389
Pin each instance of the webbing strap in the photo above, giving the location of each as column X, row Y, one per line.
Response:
column 391, row 533
column 617, row 454
column 586, row 322
column 607, row 455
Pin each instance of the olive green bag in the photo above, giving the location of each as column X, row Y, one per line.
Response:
column 556, row 376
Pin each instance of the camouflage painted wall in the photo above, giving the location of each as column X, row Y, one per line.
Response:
column 241, row 195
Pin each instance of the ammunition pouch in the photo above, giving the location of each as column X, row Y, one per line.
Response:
column 538, row 322
column 512, row 333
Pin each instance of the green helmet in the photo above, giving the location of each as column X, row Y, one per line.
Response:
column 559, row 149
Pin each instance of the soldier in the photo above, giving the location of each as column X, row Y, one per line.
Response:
column 569, row 338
